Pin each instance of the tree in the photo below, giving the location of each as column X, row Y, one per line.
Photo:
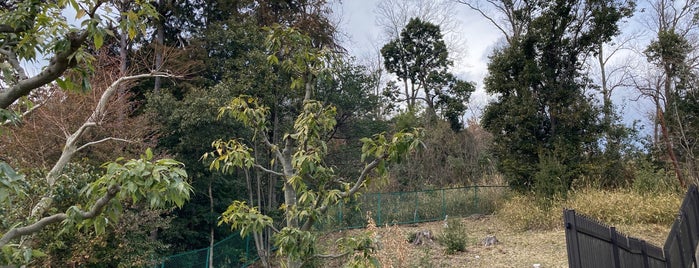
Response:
column 27, row 30
column 543, row 124
column 420, row 59
column 670, row 81
column 394, row 15
column 512, row 18
column 310, row 186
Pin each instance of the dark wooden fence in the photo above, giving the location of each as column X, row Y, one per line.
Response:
column 594, row 244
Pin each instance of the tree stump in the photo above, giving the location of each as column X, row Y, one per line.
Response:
column 489, row 240
column 422, row 237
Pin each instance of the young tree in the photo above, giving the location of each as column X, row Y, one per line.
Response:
column 670, row 82
column 310, row 186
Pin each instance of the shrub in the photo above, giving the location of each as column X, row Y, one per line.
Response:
column 454, row 236
column 650, row 179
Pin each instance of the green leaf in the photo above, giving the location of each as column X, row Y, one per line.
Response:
column 149, row 154
column 98, row 37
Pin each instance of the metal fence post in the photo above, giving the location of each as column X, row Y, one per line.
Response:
column 417, row 207
column 475, row 197
column 444, row 205
column 208, row 251
column 340, row 208
column 379, row 212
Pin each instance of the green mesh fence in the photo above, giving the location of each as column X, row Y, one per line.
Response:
column 384, row 208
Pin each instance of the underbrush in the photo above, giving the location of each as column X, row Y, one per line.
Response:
column 618, row 207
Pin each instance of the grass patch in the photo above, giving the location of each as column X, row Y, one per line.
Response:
column 618, row 207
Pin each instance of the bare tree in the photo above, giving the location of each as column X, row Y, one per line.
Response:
column 510, row 17
column 393, row 15
column 673, row 58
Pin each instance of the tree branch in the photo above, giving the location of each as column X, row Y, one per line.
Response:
column 332, row 256
column 100, row 141
column 11, row 57
column 27, row 112
column 95, row 210
column 70, row 147
column 357, row 185
column 268, row 170
column 57, row 65
column 492, row 21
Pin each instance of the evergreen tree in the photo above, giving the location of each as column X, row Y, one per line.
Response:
column 544, row 125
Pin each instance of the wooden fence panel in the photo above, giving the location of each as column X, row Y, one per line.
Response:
column 594, row 244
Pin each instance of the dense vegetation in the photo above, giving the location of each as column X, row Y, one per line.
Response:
column 156, row 127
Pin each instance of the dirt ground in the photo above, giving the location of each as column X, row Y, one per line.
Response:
column 515, row 248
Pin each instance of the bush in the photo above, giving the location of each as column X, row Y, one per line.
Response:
column 454, row 236
column 650, row 179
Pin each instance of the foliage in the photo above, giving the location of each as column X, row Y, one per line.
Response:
column 31, row 29
column 246, row 219
column 113, row 228
column 541, row 111
column 454, row 236
column 449, row 159
column 9, row 183
column 160, row 183
column 310, row 186
column 419, row 57
column 649, row 178
column 362, row 248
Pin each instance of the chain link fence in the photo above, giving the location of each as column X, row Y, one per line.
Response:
column 385, row 208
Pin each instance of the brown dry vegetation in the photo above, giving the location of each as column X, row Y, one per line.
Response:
column 527, row 234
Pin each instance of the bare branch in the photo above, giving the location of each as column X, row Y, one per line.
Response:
column 101, row 141
column 268, row 170
column 70, row 147
column 332, row 256
column 27, row 112
column 487, row 17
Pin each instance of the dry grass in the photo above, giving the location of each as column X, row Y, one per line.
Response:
column 516, row 248
column 528, row 235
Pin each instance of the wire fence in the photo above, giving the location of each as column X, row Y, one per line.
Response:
column 385, row 208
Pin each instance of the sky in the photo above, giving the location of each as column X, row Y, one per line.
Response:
column 362, row 38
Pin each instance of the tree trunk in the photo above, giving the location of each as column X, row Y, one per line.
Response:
column 669, row 147
column 159, row 43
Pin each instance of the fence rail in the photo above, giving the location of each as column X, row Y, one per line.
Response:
column 593, row 244
column 385, row 208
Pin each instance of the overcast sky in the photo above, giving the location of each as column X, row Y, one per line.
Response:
column 357, row 19
column 363, row 38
